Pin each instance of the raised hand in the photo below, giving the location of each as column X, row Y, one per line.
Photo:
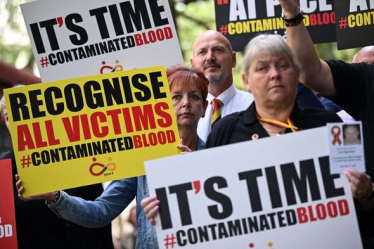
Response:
column 361, row 184
column 290, row 8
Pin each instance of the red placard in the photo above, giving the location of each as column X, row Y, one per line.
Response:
column 8, row 234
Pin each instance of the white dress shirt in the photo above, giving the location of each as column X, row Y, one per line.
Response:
column 233, row 100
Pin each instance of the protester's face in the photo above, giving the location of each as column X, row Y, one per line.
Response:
column 189, row 105
column 5, row 113
column 212, row 54
column 272, row 80
column 351, row 134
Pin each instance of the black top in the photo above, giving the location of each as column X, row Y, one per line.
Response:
column 39, row 227
column 354, row 84
column 240, row 127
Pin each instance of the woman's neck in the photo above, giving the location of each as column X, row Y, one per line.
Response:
column 279, row 114
column 189, row 136
column 275, row 113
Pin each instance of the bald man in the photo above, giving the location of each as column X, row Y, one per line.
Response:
column 213, row 54
column 366, row 55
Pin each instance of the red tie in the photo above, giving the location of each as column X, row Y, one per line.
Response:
column 216, row 111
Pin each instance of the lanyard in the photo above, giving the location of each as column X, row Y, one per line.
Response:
column 289, row 124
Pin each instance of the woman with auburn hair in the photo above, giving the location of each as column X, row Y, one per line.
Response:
column 189, row 89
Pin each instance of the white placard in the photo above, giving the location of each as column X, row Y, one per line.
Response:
column 74, row 38
column 346, row 146
column 271, row 193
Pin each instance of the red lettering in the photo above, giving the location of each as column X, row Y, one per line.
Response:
column 38, row 136
column 159, row 110
column 152, row 36
column 161, row 137
column 137, row 141
column 322, row 19
column 326, row 18
column 321, row 211
column 152, row 139
column 127, row 119
column 168, row 33
column 24, row 138
column 115, row 120
column 332, row 17
column 332, row 209
column 171, row 136
column 343, row 207
column 145, row 38
column 96, row 119
column 50, row 133
column 313, row 20
column 85, row 127
column 301, row 215
column 160, row 34
column 311, row 215
column 72, row 129
column 144, row 119
column 138, row 40
column 145, row 142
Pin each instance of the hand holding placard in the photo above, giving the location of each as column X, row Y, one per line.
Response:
column 47, row 196
column 150, row 206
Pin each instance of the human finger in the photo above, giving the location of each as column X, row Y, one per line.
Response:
column 152, row 213
column 361, row 183
column 149, row 205
column 147, row 200
column 184, row 148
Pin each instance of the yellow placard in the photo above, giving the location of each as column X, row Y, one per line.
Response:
column 91, row 129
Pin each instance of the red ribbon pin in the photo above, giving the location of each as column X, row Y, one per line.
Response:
column 335, row 131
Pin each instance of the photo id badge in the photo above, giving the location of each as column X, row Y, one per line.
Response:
column 346, row 147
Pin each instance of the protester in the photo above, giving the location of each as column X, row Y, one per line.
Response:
column 351, row 87
column 38, row 227
column 270, row 73
column 212, row 53
column 189, row 89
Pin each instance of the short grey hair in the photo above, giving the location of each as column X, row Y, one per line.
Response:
column 266, row 43
column 2, row 105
